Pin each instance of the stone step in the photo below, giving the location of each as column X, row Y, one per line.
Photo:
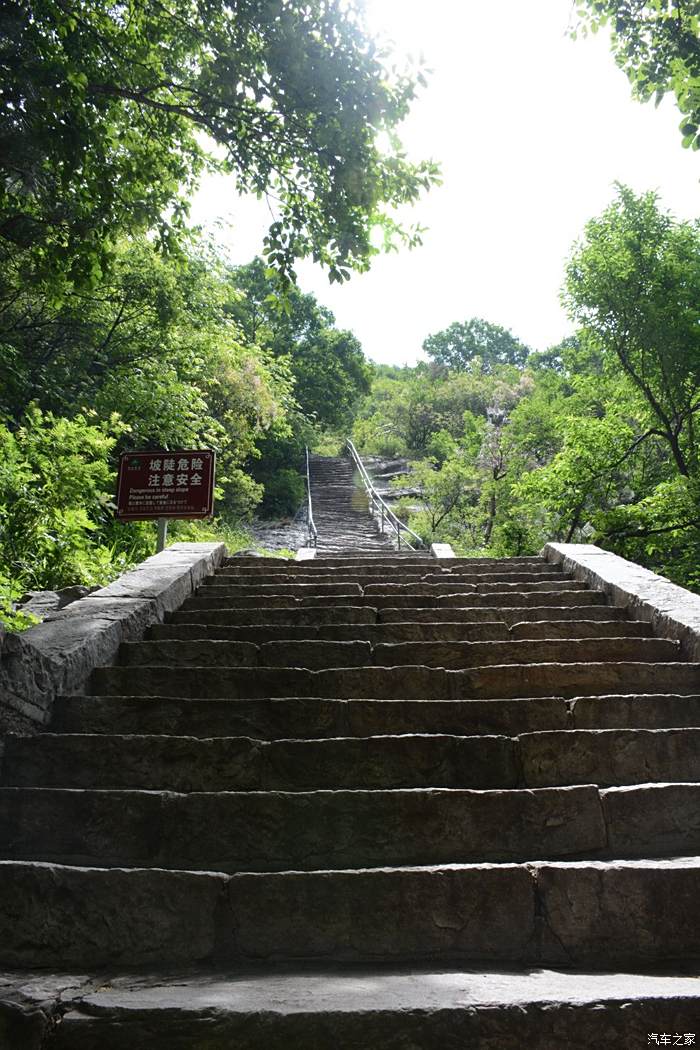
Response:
column 335, row 1008
column 404, row 600
column 402, row 558
column 399, row 683
column 291, row 615
column 373, row 569
column 508, row 614
column 610, row 756
column 284, row 615
column 307, row 830
column 304, row 717
column 489, row 631
column 304, row 831
column 598, row 914
column 328, row 654
column 312, row 717
column 660, row 711
column 246, row 764
column 357, row 558
column 227, row 591
column 547, row 758
column 435, row 575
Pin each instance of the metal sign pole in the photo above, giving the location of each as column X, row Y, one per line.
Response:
column 162, row 534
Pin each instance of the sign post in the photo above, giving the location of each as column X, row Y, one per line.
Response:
column 158, row 485
column 162, row 534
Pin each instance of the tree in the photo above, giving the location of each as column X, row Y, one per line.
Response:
column 634, row 284
column 657, row 44
column 475, row 343
column 110, row 113
column 328, row 365
column 154, row 344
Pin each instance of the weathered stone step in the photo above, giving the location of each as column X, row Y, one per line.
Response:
column 508, row 614
column 346, row 1009
column 245, row 764
column 489, row 631
column 304, row 717
column 312, row 717
column 399, row 683
column 284, row 615
column 645, row 712
column 327, row 654
column 578, row 914
column 546, row 758
column 374, row 633
column 435, row 575
column 373, row 569
column 610, row 756
column 403, row 600
column 277, row 831
column 229, row 591
column 359, row 556
column 291, row 615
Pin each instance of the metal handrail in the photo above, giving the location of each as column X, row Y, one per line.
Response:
column 312, row 531
column 376, row 502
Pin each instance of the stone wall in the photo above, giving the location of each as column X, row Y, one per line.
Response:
column 673, row 611
column 58, row 656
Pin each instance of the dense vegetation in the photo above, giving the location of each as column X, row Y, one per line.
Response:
column 120, row 327
column 595, row 440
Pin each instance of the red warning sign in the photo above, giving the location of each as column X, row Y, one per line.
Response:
column 172, row 484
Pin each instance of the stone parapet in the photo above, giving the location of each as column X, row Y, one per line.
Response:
column 673, row 611
column 58, row 656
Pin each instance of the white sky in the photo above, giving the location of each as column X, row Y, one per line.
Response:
column 532, row 129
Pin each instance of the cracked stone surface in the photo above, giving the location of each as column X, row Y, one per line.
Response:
column 407, row 1010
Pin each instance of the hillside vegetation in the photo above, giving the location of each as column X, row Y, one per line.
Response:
column 122, row 327
column 595, row 440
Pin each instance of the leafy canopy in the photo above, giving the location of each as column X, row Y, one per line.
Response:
column 110, row 113
column 633, row 283
column 657, row 44
column 328, row 365
column 475, row 343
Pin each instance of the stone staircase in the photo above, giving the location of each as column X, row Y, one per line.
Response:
column 368, row 801
column 341, row 509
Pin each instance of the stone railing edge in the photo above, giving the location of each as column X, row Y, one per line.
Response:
column 441, row 550
column 58, row 655
column 673, row 611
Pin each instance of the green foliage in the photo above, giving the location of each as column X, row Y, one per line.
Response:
column 111, row 113
column 13, row 619
column 594, row 440
column 55, row 490
column 328, row 366
column 656, row 43
column 633, row 283
column 284, row 494
column 475, row 342
column 156, row 345
column 118, row 329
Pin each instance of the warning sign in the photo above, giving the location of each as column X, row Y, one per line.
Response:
column 172, row 484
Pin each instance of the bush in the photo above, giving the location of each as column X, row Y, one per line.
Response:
column 284, row 494
column 55, row 487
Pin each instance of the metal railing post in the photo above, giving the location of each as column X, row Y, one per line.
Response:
column 311, row 530
column 375, row 500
